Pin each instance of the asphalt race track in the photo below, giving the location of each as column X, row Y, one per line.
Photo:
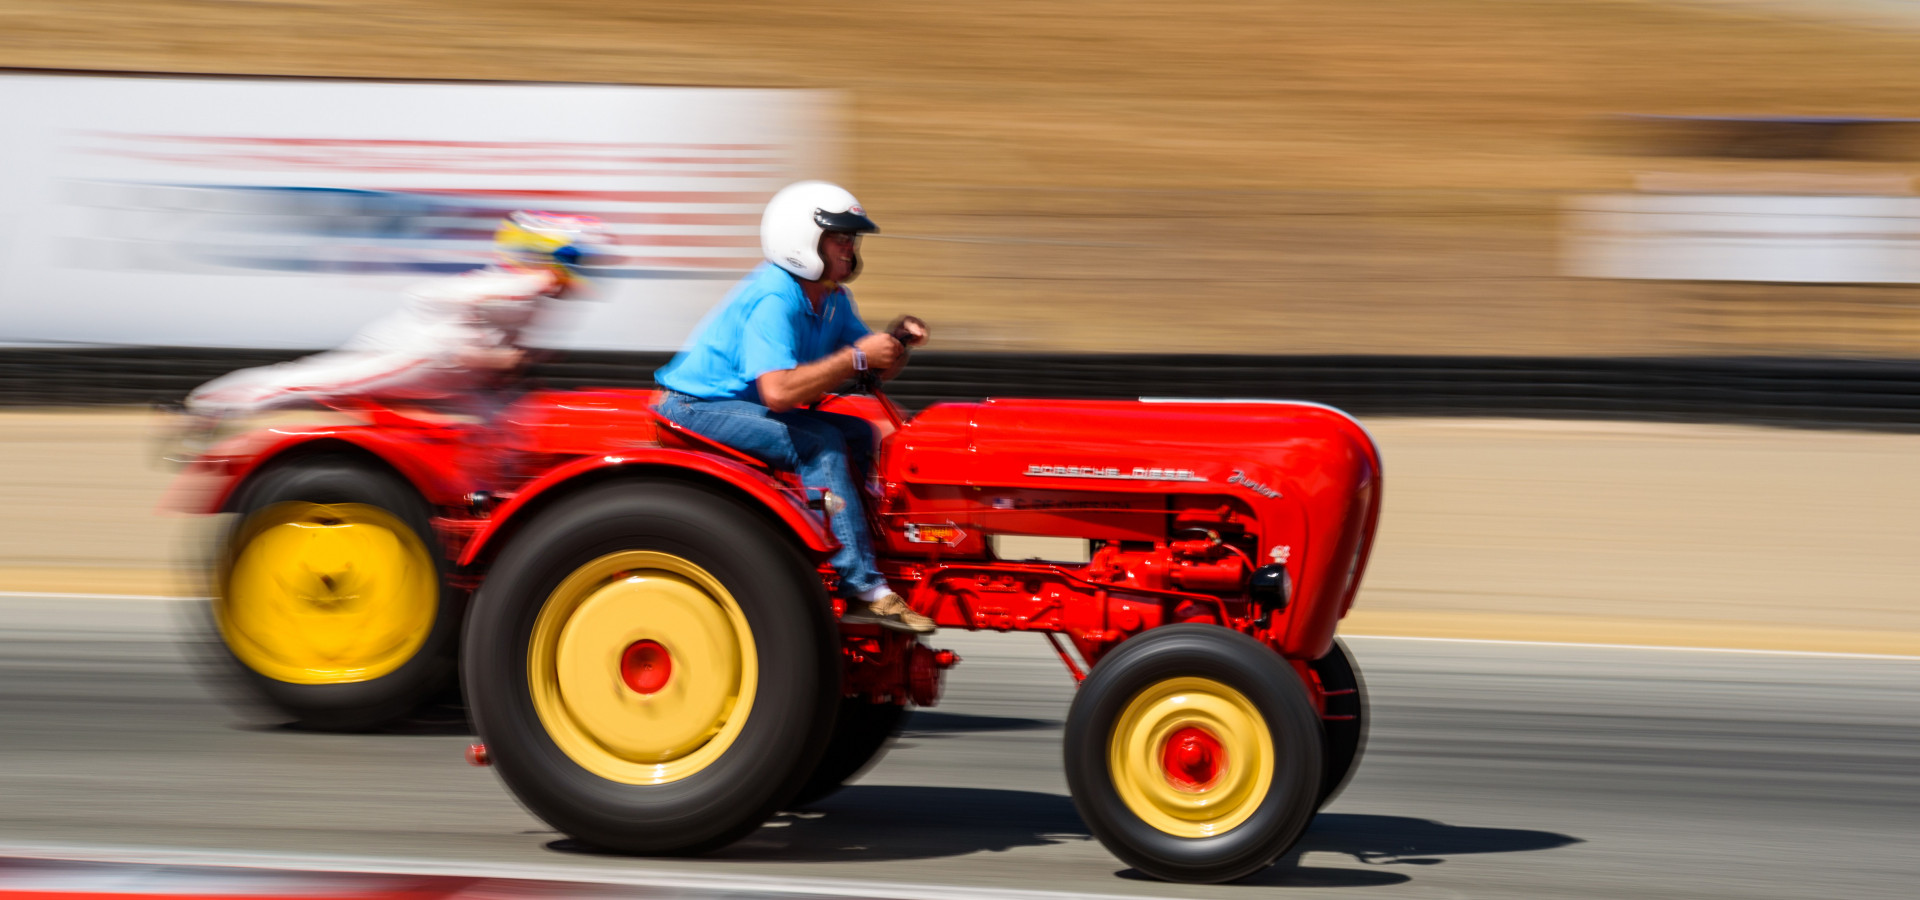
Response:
column 1495, row 770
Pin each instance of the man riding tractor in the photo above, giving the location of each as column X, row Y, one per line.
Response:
column 785, row 336
column 642, row 625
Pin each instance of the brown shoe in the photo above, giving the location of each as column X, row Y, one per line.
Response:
column 890, row 611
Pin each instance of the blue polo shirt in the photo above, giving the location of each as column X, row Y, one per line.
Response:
column 764, row 325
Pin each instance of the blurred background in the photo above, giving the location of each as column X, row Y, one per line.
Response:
column 1409, row 177
column 1630, row 291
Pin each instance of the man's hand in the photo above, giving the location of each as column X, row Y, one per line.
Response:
column 882, row 350
column 910, row 332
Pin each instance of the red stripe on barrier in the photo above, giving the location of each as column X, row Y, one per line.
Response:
column 395, row 142
column 665, row 218
column 334, row 157
column 687, row 240
column 360, row 164
column 628, row 240
column 691, row 262
column 612, row 196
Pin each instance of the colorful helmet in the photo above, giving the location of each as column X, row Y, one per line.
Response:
column 795, row 219
column 551, row 239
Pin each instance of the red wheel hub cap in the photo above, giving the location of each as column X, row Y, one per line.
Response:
column 646, row 666
column 1193, row 759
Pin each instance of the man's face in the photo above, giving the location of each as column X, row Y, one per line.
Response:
column 839, row 251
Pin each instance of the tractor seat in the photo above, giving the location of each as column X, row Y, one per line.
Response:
column 671, row 434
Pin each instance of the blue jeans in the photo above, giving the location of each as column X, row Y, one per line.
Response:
column 817, row 445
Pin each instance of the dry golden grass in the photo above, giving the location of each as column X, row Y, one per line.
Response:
column 1117, row 175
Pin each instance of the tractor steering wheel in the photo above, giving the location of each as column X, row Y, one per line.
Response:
column 868, row 382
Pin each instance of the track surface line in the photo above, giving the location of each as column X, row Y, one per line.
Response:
column 1499, row 771
column 1819, row 654
column 651, row 878
column 1816, row 654
column 54, row 595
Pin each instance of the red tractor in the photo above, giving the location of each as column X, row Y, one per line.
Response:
column 648, row 642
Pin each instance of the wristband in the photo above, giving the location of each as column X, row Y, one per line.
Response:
column 859, row 360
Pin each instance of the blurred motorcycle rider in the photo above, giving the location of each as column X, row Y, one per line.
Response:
column 450, row 341
column 785, row 336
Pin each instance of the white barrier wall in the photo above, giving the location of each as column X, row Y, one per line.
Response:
column 1708, row 237
column 285, row 213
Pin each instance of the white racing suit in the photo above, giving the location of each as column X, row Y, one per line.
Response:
column 421, row 353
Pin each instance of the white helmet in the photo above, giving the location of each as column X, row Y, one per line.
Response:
column 795, row 219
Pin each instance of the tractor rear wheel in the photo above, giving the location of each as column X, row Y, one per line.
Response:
column 330, row 594
column 860, row 737
column 653, row 667
column 1345, row 722
column 1193, row 754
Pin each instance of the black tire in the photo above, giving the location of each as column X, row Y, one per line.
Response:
column 861, row 735
column 786, row 613
column 1274, row 692
column 353, row 705
column 1346, row 737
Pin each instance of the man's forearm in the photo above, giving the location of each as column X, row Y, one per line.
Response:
column 803, row 384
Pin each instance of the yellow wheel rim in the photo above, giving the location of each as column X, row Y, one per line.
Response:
column 1228, row 785
column 603, row 623
column 327, row 593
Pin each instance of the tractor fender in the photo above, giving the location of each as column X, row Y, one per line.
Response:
column 810, row 527
column 424, row 460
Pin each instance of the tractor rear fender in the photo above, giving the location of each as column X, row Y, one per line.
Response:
column 750, row 487
column 210, row 485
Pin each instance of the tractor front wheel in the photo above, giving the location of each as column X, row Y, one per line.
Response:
column 1346, row 721
column 1193, row 754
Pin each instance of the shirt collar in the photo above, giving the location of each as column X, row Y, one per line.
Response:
column 827, row 304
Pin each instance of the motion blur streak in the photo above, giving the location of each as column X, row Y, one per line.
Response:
column 1296, row 176
column 1620, row 219
column 1500, row 771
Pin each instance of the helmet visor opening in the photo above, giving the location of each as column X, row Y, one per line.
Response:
column 846, row 222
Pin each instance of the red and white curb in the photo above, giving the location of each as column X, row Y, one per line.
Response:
column 38, row 872
column 40, row 879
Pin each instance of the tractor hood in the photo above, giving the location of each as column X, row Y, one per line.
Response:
column 1257, row 449
column 1298, row 482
